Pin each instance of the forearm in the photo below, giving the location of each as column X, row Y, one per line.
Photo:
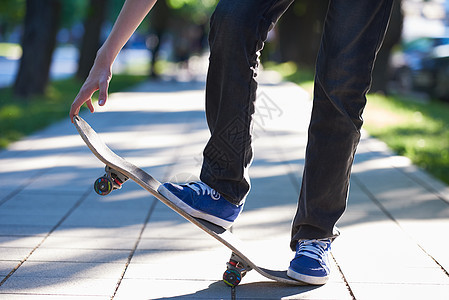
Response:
column 132, row 14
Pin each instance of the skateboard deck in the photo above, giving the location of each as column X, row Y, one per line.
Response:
column 119, row 170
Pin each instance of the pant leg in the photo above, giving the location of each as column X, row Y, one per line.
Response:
column 353, row 33
column 238, row 31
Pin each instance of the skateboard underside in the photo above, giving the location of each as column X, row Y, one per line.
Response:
column 119, row 170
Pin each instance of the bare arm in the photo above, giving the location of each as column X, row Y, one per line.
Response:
column 131, row 15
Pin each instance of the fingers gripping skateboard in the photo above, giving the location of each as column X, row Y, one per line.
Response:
column 111, row 180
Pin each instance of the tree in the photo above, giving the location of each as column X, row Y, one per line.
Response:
column 177, row 16
column 96, row 14
column 300, row 30
column 11, row 15
column 381, row 74
column 158, row 18
column 38, row 43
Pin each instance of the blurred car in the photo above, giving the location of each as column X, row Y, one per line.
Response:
column 423, row 65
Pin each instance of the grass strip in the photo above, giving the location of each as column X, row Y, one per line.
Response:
column 415, row 129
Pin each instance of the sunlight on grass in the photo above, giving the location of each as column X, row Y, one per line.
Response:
column 285, row 69
column 417, row 130
column 291, row 72
column 10, row 50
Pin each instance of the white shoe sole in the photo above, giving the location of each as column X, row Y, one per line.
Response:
column 306, row 278
column 191, row 211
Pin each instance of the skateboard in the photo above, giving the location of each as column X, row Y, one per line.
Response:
column 118, row 170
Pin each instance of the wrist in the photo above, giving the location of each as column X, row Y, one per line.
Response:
column 105, row 57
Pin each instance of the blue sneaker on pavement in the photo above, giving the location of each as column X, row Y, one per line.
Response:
column 201, row 201
column 311, row 262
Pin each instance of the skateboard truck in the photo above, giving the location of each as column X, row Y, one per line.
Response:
column 236, row 270
column 110, row 181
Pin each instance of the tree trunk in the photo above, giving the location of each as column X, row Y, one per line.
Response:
column 159, row 18
column 300, row 31
column 91, row 39
column 381, row 74
column 38, row 43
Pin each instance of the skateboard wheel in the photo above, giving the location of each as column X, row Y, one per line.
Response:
column 232, row 277
column 103, row 186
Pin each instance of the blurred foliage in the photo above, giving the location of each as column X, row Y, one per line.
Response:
column 290, row 72
column 73, row 11
column 198, row 11
column 12, row 13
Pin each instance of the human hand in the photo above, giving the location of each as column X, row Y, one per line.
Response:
column 131, row 15
column 99, row 77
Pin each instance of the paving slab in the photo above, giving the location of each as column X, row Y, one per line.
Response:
column 14, row 253
column 82, row 242
column 34, row 296
column 129, row 231
column 68, row 270
column 58, row 286
column 80, row 255
column 172, row 289
column 25, row 230
column 7, row 265
column 270, row 290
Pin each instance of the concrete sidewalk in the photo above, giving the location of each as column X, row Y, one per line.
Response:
column 59, row 240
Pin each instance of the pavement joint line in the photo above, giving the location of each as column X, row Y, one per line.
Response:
column 75, row 206
column 175, row 159
column 46, row 294
column 291, row 175
column 28, row 182
column 373, row 198
column 416, row 179
column 344, row 278
column 434, row 260
column 424, row 185
column 23, row 186
column 133, row 251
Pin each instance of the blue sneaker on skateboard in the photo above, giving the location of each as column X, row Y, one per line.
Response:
column 201, row 201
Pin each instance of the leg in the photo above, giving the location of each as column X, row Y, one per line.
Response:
column 353, row 33
column 238, row 31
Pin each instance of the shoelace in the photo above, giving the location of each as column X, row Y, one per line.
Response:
column 203, row 189
column 313, row 248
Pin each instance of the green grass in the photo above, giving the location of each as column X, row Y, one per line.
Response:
column 21, row 117
column 415, row 129
column 290, row 72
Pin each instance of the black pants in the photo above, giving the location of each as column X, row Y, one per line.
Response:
column 353, row 33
